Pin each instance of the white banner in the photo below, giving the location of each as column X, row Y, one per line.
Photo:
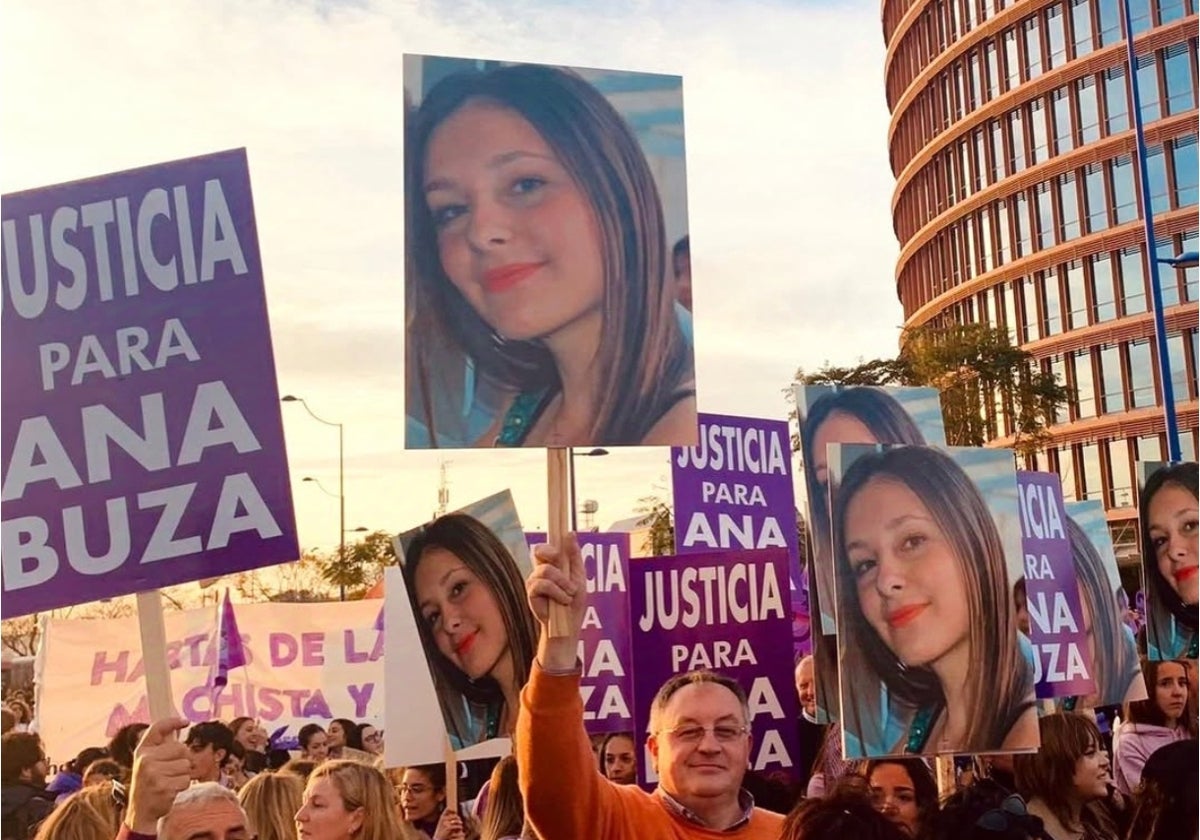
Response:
column 306, row 663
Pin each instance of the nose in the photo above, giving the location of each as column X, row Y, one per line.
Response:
column 1177, row 546
column 890, row 577
column 488, row 224
column 302, row 814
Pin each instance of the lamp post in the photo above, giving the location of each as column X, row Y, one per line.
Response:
column 1160, row 325
column 341, row 494
column 594, row 453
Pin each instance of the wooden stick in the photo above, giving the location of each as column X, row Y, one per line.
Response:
column 557, row 464
column 451, row 777
column 945, row 776
column 154, row 654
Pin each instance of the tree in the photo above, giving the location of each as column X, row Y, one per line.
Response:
column 363, row 564
column 983, row 378
column 662, row 527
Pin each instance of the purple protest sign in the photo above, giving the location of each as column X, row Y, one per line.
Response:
column 726, row 611
column 735, row 490
column 604, row 643
column 1056, row 620
column 142, row 444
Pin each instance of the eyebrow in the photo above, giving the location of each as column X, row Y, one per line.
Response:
column 891, row 525
column 496, row 162
column 442, row 581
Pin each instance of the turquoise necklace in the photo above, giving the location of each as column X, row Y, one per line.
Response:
column 1192, row 646
column 918, row 730
column 520, row 417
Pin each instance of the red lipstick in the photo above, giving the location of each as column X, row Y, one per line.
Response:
column 1186, row 573
column 466, row 644
column 905, row 615
column 503, row 278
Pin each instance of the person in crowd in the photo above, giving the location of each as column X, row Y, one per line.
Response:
column 844, row 813
column 1166, row 805
column 681, row 267
column 314, row 743
column 76, row 818
column 423, row 802
column 984, row 810
column 345, row 741
column 504, row 814
column 162, row 768
column 24, row 800
column 22, row 712
column 348, row 800
column 253, row 740
column 548, row 266
column 924, row 611
column 233, row 768
column 208, row 744
column 206, row 809
column 1112, row 649
column 103, row 770
column 108, row 800
column 811, row 732
column 1168, row 515
column 1066, row 782
column 772, row 790
column 70, row 778
column 1152, row 723
column 618, row 758
column 301, row 768
column 124, row 742
column 466, row 591
column 699, row 739
column 998, row 767
column 372, row 739
column 903, row 790
column 8, row 721
column 271, row 801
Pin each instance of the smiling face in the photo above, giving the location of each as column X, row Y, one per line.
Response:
column 336, row 736
column 1092, row 774
column 700, row 769
column 462, row 613
column 620, row 762
column 806, row 687
column 516, row 235
column 895, row 796
column 909, row 581
column 324, row 815
column 1172, row 519
column 419, row 799
column 838, row 427
column 1171, row 691
column 372, row 740
column 317, row 748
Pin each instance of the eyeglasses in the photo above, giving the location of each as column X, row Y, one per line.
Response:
column 374, row 737
column 691, row 733
column 416, row 790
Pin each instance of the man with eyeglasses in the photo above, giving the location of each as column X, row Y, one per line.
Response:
column 699, row 740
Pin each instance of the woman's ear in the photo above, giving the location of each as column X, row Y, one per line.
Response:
column 356, row 820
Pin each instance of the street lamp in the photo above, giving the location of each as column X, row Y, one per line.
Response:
column 341, row 494
column 594, row 453
column 1188, row 259
column 1160, row 323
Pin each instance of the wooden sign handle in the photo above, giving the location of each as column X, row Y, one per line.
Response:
column 154, row 654
column 451, row 777
column 557, row 466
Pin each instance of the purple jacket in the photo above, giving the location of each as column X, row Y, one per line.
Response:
column 1136, row 742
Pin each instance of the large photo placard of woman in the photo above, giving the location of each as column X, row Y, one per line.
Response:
column 927, row 549
column 548, row 267
column 1167, row 511
column 464, row 575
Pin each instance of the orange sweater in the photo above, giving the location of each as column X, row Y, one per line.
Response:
column 566, row 798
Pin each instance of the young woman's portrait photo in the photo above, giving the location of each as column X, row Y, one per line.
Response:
column 927, row 549
column 1167, row 511
column 545, row 207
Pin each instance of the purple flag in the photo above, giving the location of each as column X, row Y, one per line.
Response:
column 726, row 611
column 230, row 653
column 142, row 440
column 604, row 643
column 735, row 490
column 1056, row 620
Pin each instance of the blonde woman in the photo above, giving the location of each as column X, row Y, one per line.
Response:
column 271, row 801
column 348, row 800
column 76, row 819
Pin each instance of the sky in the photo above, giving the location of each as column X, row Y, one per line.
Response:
column 793, row 253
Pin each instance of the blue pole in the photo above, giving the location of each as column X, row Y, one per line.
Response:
column 1160, row 324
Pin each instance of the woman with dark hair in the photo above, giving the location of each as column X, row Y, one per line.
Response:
column 1153, row 723
column 903, row 790
column 1169, row 519
column 474, row 623
column 539, row 244
column 925, row 613
column 314, row 743
column 1112, row 649
column 618, row 758
column 345, row 741
column 423, row 803
column 845, row 813
column 1067, row 780
column 122, row 745
column 1165, row 806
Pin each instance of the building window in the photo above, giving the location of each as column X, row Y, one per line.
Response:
column 999, row 158
column 1077, row 307
column 1064, row 137
column 1057, row 36
column 1184, row 163
column 1110, row 21
column 1016, row 134
column 1139, row 14
column 1170, row 10
column 1010, row 312
column 1085, row 386
column 1125, row 206
column 1033, row 48
column 1112, row 393
column 1176, row 356
column 1093, row 483
column 1038, row 128
column 1191, row 276
column 991, row 69
column 1149, row 448
column 1147, row 76
column 1004, row 239
column 985, row 239
column 1088, row 110
column 1066, row 471
column 1081, row 23
column 1104, row 305
column 1051, row 305
column 1024, row 235
column 1156, row 167
column 1133, row 282
column 1097, row 203
column 1181, row 96
column 1058, row 367
column 1141, row 374
column 1069, row 196
column 1012, row 60
column 1030, row 326
column 1116, row 101
column 1121, row 472
column 1045, row 213
column 1168, row 278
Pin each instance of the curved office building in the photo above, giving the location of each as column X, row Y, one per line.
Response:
column 1016, row 204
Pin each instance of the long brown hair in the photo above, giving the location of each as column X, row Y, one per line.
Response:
column 1049, row 773
column 1167, row 617
column 643, row 359
column 505, row 814
column 1148, row 712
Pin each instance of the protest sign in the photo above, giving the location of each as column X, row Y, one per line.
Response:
column 1109, row 622
column 603, row 189
column 606, row 683
column 734, row 490
column 1167, row 510
column 727, row 611
column 463, row 583
column 142, row 444
column 927, row 550
column 305, row 663
column 1057, row 628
